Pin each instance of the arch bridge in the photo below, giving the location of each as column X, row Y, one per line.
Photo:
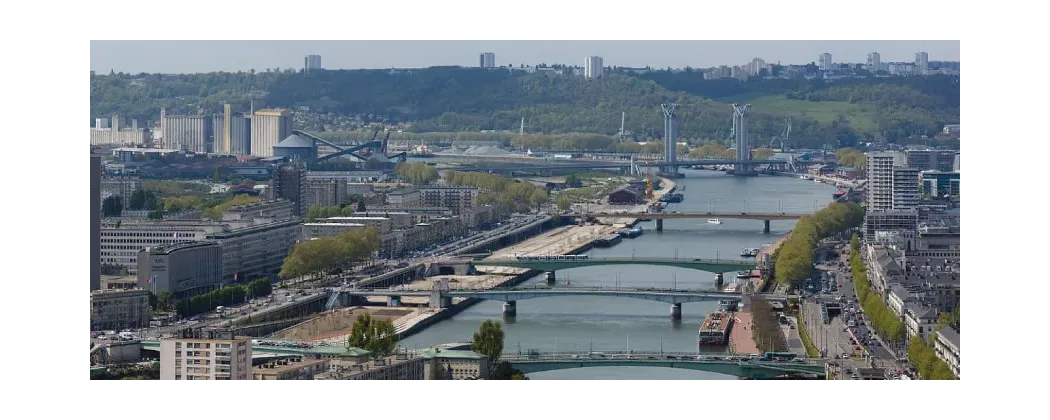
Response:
column 551, row 264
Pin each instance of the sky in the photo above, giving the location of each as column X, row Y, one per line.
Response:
column 207, row 56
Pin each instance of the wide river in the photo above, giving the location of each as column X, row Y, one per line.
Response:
column 616, row 324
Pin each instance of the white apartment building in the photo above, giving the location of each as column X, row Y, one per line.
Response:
column 593, row 67
column 269, row 127
column 382, row 224
column 321, row 230
column 487, row 60
column 206, row 355
column 824, row 61
column 874, row 62
column 312, row 62
column 455, row 365
column 922, row 63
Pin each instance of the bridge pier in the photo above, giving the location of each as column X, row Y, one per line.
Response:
column 765, row 229
column 659, row 225
column 676, row 311
column 551, row 278
column 394, row 301
column 510, row 308
column 719, row 281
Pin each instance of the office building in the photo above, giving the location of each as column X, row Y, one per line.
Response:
column 874, row 62
column 119, row 309
column 905, row 188
column 122, row 187
column 205, row 354
column 269, row 127
column 452, row 197
column 824, row 61
column 325, row 192
column 922, row 63
column 289, row 183
column 487, row 60
column 312, row 62
column 257, row 250
column 95, row 201
column 404, row 198
column 122, row 240
column 931, row 160
column 188, row 133
column 593, row 67
column 939, row 184
column 396, row 367
column 183, row 270
column 946, row 346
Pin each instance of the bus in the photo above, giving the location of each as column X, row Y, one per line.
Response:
column 778, row 356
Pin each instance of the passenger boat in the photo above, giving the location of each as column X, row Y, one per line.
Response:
column 714, row 221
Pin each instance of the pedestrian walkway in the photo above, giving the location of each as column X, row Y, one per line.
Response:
column 741, row 339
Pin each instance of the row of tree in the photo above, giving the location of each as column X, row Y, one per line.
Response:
column 924, row 358
column 883, row 320
column 417, row 173
column 505, row 193
column 794, row 258
column 330, row 253
column 224, row 296
column 765, row 329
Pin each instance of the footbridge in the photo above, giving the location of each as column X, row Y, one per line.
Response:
column 735, row 366
column 510, row 296
column 553, row 264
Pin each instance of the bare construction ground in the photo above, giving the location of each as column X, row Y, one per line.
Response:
column 337, row 323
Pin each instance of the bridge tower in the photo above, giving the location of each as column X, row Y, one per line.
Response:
column 670, row 142
column 741, row 142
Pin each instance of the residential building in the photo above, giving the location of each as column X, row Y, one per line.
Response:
column 188, row 133
column 396, row 367
column 122, row 186
column 183, row 270
column 889, row 220
column 905, row 189
column 382, row 224
column 487, row 60
column 920, row 320
column 325, row 192
column 206, row 354
column 119, row 309
column 95, row 202
column 874, row 62
column 322, row 230
column 455, row 365
column 922, row 63
column 824, row 61
column 409, row 197
column 312, row 62
column 290, row 368
column 289, row 182
column 880, row 180
column 269, row 127
column 273, row 210
column 946, row 346
column 456, row 198
column 593, row 67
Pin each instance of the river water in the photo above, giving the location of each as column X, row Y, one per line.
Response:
column 616, row 324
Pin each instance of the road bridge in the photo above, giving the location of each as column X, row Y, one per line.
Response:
column 661, row 216
column 543, row 165
column 552, row 265
column 739, row 367
column 510, row 296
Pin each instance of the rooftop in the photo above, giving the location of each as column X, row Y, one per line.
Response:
column 950, row 335
column 452, row 354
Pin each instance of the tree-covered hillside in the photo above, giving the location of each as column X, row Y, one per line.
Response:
column 451, row 99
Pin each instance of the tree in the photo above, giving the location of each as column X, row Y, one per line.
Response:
column 112, row 206
column 489, row 342
column 361, row 205
column 564, row 202
column 573, row 181
column 378, row 337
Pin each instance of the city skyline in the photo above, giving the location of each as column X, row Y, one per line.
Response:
column 208, row 56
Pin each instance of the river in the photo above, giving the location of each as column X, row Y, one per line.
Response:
column 617, row 324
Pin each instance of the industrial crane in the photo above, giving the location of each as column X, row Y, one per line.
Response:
column 783, row 137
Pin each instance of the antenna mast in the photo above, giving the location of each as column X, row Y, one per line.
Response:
column 623, row 118
column 522, row 130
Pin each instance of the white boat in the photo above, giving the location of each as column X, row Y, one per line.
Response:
column 714, row 221
column 803, row 177
column 816, row 180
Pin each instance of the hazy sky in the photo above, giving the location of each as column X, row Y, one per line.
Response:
column 206, row 56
